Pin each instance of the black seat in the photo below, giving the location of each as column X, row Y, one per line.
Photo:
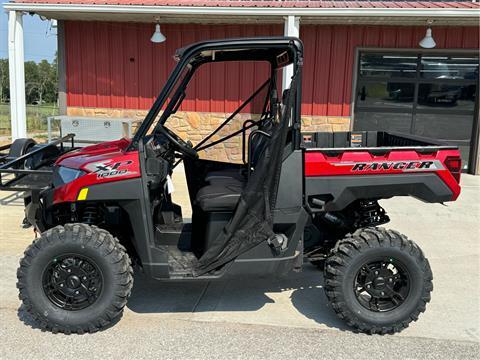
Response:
column 220, row 196
column 227, row 185
column 221, row 176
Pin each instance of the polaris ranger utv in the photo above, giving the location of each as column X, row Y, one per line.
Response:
column 100, row 208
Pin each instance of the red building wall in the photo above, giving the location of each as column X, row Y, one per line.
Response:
column 330, row 56
column 114, row 65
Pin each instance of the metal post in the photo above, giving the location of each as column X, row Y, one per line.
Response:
column 291, row 28
column 62, row 69
column 17, row 75
column 49, row 128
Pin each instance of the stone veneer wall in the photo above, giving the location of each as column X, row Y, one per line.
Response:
column 195, row 126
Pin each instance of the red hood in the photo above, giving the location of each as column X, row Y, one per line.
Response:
column 77, row 159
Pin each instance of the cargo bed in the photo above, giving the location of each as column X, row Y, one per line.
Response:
column 352, row 140
column 345, row 166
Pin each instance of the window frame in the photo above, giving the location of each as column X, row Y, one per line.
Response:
column 417, row 80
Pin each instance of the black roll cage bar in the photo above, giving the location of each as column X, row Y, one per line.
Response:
column 243, row 49
column 199, row 146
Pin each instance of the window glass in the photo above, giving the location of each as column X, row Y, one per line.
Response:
column 444, row 126
column 453, row 129
column 388, row 65
column 432, row 94
column 449, row 67
column 382, row 121
column 386, row 94
column 446, row 96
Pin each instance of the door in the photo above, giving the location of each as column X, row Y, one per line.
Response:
column 427, row 94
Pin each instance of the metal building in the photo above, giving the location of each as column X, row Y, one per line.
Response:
column 364, row 66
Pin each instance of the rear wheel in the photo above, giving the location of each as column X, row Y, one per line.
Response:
column 378, row 281
column 74, row 279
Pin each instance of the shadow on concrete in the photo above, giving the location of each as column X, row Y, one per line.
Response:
column 246, row 295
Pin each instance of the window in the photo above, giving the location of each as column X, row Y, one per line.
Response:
column 427, row 94
column 388, row 65
column 386, row 95
column 446, row 96
column 449, row 67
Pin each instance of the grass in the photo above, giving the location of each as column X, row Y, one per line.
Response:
column 36, row 117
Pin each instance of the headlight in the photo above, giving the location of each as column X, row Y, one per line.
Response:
column 63, row 175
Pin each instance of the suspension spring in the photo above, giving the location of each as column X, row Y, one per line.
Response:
column 90, row 214
column 370, row 213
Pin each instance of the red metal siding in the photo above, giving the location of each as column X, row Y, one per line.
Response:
column 114, row 65
column 330, row 55
column 102, row 60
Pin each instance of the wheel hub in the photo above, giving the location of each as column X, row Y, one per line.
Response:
column 379, row 283
column 72, row 282
column 382, row 285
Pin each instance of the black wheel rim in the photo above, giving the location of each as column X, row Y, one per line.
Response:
column 382, row 285
column 72, row 282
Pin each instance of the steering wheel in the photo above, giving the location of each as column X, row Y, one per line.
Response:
column 180, row 145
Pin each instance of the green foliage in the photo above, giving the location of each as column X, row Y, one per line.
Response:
column 41, row 82
column 4, row 80
column 41, row 92
column 36, row 117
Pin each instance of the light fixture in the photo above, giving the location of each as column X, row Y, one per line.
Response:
column 427, row 42
column 157, row 36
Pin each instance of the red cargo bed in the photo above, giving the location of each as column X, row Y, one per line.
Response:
column 376, row 165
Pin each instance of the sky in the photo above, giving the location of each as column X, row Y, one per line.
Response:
column 39, row 41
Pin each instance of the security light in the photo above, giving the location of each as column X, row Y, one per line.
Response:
column 157, row 36
column 427, row 42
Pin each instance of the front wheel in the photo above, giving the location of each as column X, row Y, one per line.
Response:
column 378, row 281
column 74, row 279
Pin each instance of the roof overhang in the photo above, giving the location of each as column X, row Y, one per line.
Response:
column 205, row 14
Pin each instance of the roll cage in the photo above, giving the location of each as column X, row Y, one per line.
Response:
column 278, row 51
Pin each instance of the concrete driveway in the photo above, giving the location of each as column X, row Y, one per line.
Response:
column 264, row 318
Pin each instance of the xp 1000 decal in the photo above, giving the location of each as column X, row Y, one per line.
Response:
column 110, row 168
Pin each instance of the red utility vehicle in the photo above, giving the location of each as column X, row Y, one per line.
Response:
column 296, row 196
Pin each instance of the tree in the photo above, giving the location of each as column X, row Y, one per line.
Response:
column 32, row 81
column 41, row 81
column 4, row 81
column 47, row 82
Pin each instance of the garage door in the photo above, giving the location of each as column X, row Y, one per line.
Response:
column 427, row 94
